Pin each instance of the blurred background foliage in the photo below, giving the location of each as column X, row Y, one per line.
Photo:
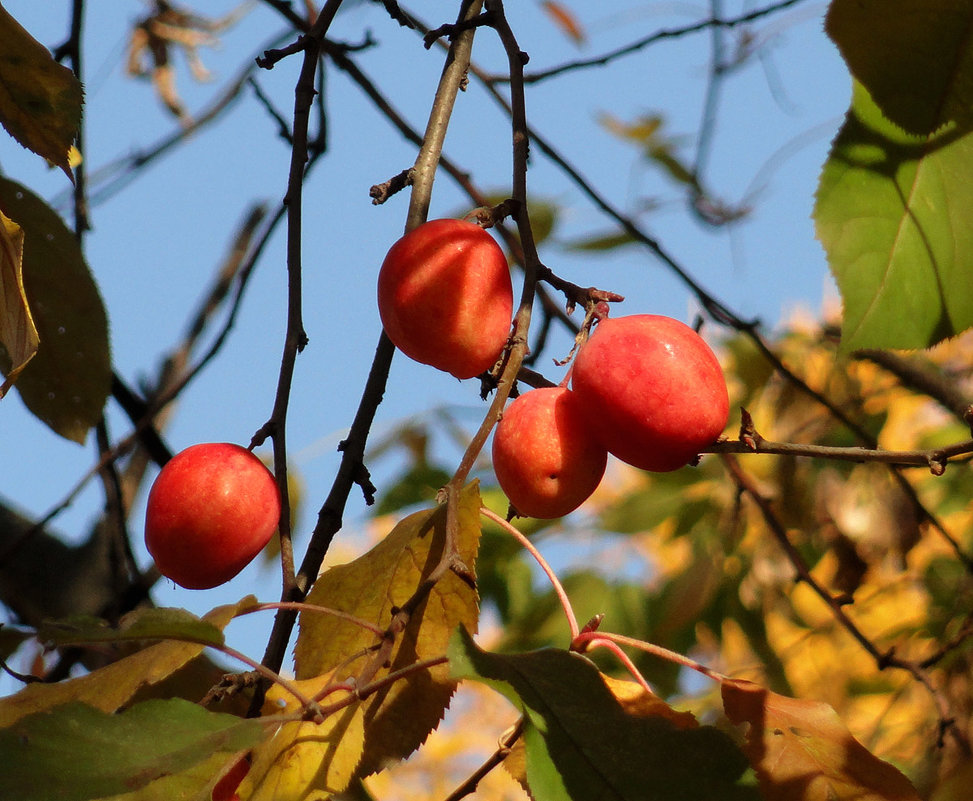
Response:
column 687, row 560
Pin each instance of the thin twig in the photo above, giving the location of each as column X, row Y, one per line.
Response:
column 658, row 36
column 295, row 337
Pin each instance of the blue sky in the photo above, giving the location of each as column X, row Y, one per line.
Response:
column 155, row 244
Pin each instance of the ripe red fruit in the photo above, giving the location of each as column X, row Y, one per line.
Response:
column 211, row 510
column 226, row 787
column 445, row 296
column 652, row 389
column 545, row 459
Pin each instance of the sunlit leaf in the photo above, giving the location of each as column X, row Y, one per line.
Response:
column 565, row 19
column 76, row 752
column 581, row 743
column 892, row 213
column 801, row 750
column 114, row 685
column 141, row 624
column 18, row 334
column 914, row 56
column 40, row 100
column 399, row 717
column 307, row 759
column 67, row 382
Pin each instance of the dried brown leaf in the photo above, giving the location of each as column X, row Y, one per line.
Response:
column 801, row 751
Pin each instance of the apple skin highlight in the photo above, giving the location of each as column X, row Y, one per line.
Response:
column 211, row 510
column 445, row 297
column 545, row 459
column 652, row 389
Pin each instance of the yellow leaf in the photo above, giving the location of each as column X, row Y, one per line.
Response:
column 40, row 100
column 801, row 749
column 638, row 702
column 307, row 761
column 18, row 334
column 399, row 717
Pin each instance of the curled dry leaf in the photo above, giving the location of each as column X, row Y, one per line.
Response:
column 18, row 334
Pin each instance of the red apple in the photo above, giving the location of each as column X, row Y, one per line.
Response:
column 226, row 787
column 544, row 456
column 445, row 297
column 211, row 510
column 652, row 389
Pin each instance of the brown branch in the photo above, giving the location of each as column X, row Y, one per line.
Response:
column 751, row 441
column 295, row 337
column 351, row 469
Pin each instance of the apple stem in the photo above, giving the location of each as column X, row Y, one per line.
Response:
column 548, row 571
column 650, row 648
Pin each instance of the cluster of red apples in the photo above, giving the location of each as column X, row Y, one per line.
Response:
column 644, row 388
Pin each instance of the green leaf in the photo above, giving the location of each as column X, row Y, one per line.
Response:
column 40, row 100
column 67, row 382
column 420, row 483
column 142, row 624
column 914, row 56
column 581, row 744
column 75, row 752
column 892, row 212
column 605, row 242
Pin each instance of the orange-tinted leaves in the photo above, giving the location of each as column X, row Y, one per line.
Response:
column 565, row 20
column 802, row 751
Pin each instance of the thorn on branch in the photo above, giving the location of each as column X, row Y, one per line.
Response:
column 270, row 57
column 450, row 30
column 379, row 193
column 748, row 432
column 361, row 477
